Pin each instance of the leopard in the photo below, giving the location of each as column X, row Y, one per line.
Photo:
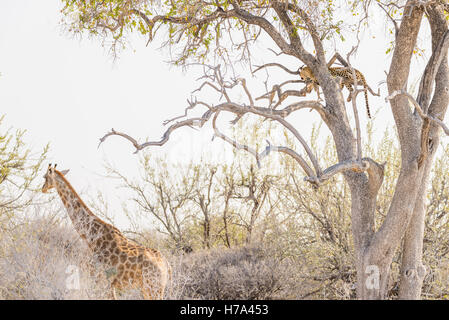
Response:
column 347, row 80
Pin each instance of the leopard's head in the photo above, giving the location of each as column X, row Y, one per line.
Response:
column 306, row 74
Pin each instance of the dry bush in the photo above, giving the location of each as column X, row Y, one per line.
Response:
column 251, row 272
column 39, row 258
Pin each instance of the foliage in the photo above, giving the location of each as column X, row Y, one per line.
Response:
column 436, row 237
column 198, row 30
column 38, row 256
column 19, row 168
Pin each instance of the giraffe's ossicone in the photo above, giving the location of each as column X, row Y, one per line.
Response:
column 126, row 263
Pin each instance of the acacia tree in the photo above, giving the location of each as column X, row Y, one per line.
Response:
column 199, row 30
column 19, row 168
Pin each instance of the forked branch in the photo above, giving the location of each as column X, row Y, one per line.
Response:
column 217, row 83
column 419, row 110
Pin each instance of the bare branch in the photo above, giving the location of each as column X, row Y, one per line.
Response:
column 418, row 108
column 396, row 27
column 189, row 123
column 248, row 94
column 284, row 95
column 356, row 166
column 220, row 85
column 235, row 144
column 293, row 154
column 354, row 108
column 276, row 53
column 192, row 104
column 260, row 156
column 338, row 57
column 274, row 64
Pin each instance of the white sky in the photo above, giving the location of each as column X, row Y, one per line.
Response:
column 70, row 93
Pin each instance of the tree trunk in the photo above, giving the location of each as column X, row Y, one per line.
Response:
column 412, row 269
column 206, row 232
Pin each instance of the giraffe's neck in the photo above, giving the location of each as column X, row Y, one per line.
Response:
column 85, row 222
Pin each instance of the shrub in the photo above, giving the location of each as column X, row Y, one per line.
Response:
column 38, row 258
column 252, row 272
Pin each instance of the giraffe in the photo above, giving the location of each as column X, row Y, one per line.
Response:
column 126, row 263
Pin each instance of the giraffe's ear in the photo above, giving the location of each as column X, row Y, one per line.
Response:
column 64, row 172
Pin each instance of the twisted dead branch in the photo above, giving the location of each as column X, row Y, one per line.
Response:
column 214, row 80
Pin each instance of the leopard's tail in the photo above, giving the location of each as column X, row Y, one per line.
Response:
column 365, row 91
column 366, row 101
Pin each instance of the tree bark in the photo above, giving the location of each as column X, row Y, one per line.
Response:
column 375, row 253
column 412, row 269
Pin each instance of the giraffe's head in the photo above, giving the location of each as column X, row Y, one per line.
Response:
column 50, row 177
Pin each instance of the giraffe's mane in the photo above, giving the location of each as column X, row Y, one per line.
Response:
column 81, row 200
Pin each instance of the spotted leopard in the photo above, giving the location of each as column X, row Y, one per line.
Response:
column 345, row 74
